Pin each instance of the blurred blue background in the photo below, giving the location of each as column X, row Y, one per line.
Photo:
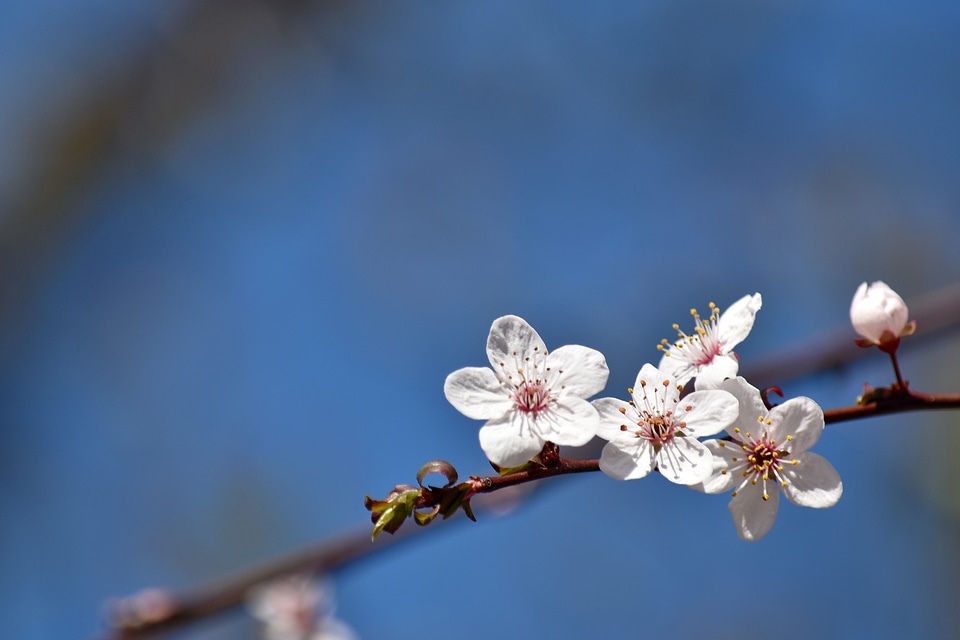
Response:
column 243, row 243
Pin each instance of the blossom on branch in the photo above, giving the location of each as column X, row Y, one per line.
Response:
column 707, row 353
column 880, row 315
column 768, row 454
column 298, row 607
column 658, row 429
column 530, row 396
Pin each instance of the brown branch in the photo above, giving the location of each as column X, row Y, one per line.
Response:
column 894, row 402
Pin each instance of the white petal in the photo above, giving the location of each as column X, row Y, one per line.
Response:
column 571, row 421
column 752, row 515
column 736, row 322
column 511, row 340
column 712, row 375
column 721, row 478
column 685, row 461
column 877, row 310
column 801, row 418
column 611, row 418
column 630, row 464
column 508, row 441
column 650, row 383
column 812, row 482
column 580, row 370
column 751, row 404
column 710, row 412
column 476, row 393
column 676, row 368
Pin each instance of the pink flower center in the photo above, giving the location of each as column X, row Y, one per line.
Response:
column 531, row 396
column 762, row 460
column 700, row 347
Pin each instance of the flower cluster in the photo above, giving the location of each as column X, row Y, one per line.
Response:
column 532, row 398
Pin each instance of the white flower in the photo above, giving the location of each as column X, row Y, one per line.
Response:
column 530, row 397
column 298, row 607
column 658, row 429
column 768, row 455
column 880, row 315
column 707, row 354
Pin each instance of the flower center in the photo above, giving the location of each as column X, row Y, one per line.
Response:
column 700, row 347
column 656, row 423
column 531, row 396
column 763, row 459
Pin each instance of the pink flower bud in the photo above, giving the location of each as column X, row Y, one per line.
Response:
column 880, row 315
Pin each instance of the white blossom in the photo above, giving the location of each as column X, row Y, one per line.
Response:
column 659, row 429
column 530, row 396
column 768, row 454
column 707, row 353
column 298, row 607
column 880, row 315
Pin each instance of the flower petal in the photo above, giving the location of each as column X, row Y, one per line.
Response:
column 578, row 370
column 751, row 404
column 752, row 515
column 801, row 418
column 511, row 340
column 877, row 310
column 736, row 322
column 650, row 390
column 678, row 369
column 812, row 482
column 709, row 413
column 476, row 393
column 611, row 418
column 712, row 375
column 627, row 464
column 571, row 421
column 508, row 441
column 685, row 461
column 720, row 478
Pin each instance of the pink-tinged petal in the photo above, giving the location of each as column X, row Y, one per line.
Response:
column 721, row 477
column 751, row 404
column 685, row 461
column 709, row 412
column 812, row 482
column 572, row 422
column 627, row 464
column 801, row 418
column 677, row 369
column 508, row 441
column 736, row 322
column 476, row 393
column 611, row 418
column 712, row 375
column 752, row 515
column 511, row 340
column 577, row 370
column 878, row 313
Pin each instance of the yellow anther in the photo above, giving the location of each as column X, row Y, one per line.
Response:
column 733, row 495
column 693, row 312
column 722, row 443
column 723, row 472
column 794, row 461
column 783, row 483
column 766, row 496
column 630, row 389
column 789, row 438
column 769, row 422
column 676, row 327
column 736, row 429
